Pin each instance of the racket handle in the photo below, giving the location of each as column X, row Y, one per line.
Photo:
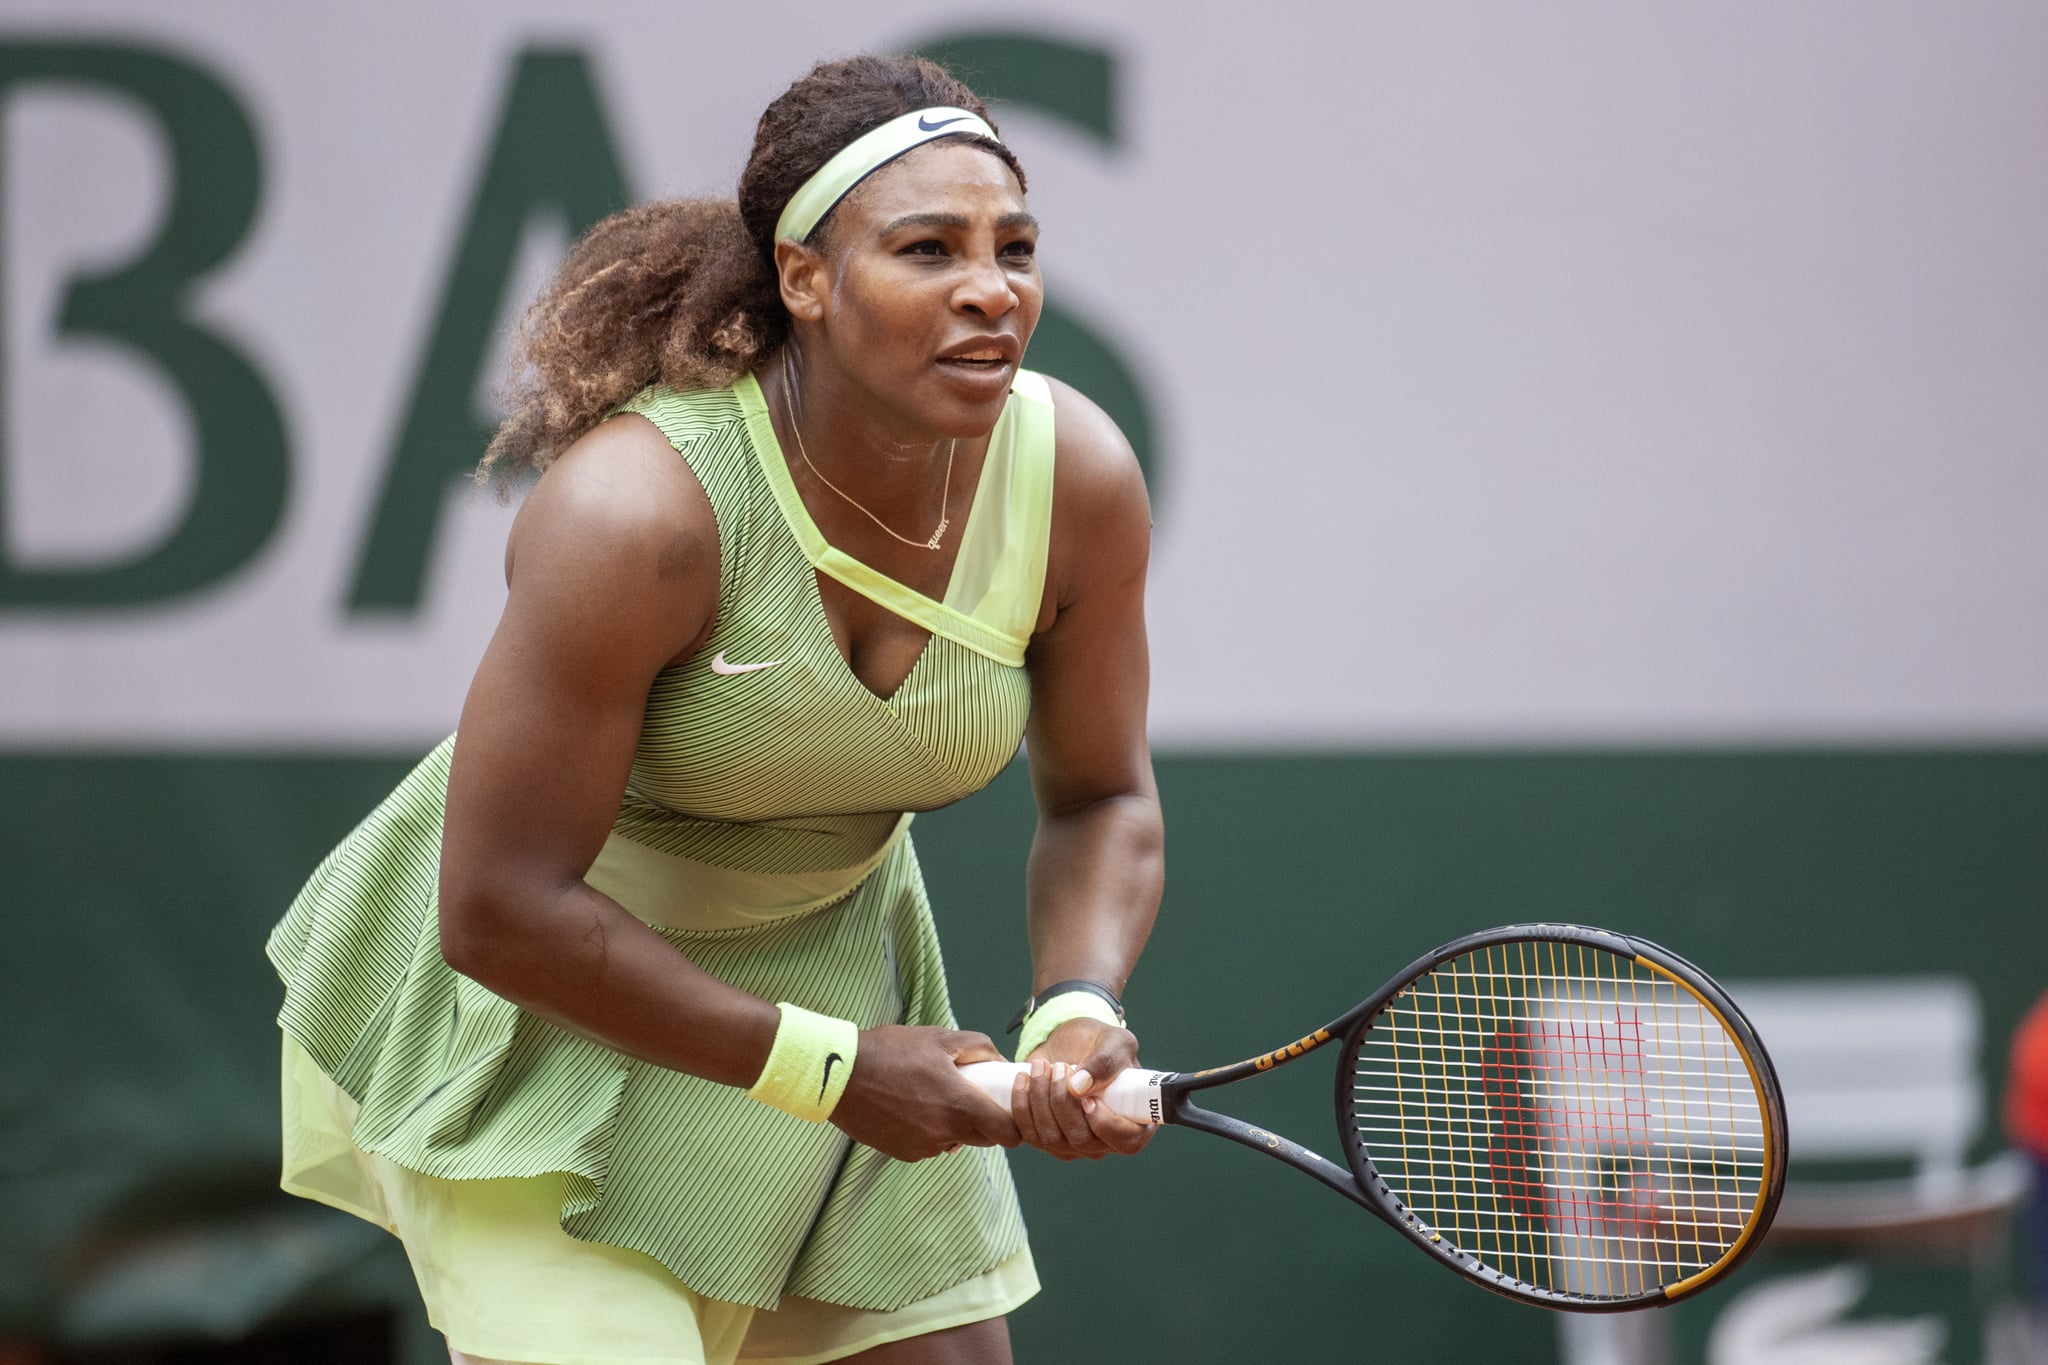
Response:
column 1134, row 1093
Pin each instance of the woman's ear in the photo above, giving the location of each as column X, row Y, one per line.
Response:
column 800, row 272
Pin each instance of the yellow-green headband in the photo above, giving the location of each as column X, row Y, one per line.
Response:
column 865, row 155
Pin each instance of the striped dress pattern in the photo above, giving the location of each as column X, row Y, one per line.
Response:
column 764, row 832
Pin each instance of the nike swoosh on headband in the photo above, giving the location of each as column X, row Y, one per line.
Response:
column 934, row 127
column 719, row 665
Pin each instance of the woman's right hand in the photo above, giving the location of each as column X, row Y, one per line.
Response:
column 906, row 1098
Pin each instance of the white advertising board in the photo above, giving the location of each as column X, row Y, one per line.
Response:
column 1598, row 372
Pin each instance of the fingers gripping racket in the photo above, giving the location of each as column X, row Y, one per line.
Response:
column 1569, row 1117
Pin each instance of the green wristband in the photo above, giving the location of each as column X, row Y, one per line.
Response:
column 1058, row 1010
column 808, row 1064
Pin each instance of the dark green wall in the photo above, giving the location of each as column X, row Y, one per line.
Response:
column 136, row 1052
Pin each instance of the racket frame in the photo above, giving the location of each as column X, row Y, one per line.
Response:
column 1359, row 1181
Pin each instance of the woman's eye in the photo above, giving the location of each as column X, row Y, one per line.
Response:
column 1023, row 249
column 925, row 248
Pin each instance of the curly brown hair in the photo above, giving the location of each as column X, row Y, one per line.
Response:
column 684, row 291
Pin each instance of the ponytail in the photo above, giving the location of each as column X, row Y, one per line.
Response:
column 674, row 292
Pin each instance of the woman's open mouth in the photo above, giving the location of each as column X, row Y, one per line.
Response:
column 988, row 358
column 990, row 354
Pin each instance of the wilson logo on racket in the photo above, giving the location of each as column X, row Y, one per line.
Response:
column 1292, row 1050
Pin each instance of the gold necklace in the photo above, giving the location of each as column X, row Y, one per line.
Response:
column 945, row 494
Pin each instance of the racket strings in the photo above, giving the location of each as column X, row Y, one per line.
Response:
column 1569, row 1116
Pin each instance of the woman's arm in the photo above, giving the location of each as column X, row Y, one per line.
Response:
column 1096, row 868
column 613, row 573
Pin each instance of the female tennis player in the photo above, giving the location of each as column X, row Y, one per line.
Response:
column 625, row 1011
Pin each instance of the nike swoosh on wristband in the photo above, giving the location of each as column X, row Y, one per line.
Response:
column 830, row 1058
column 719, row 665
column 925, row 125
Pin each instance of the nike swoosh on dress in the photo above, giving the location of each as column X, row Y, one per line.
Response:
column 719, row 665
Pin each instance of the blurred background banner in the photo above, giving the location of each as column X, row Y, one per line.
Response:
column 1599, row 454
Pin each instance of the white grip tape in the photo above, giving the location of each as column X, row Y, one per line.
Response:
column 1134, row 1093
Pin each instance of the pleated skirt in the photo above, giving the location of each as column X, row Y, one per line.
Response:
column 436, row 1077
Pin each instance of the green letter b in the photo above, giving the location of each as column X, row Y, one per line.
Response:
column 243, row 464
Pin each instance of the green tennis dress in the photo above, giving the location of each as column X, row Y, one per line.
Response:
column 764, row 832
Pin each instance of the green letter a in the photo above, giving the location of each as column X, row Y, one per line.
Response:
column 552, row 152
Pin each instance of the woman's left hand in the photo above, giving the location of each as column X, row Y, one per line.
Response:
column 1056, row 1109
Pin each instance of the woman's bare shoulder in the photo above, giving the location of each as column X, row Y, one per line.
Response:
column 622, row 493
column 619, row 521
column 1101, row 514
column 1089, row 446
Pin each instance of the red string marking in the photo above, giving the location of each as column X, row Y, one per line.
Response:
column 1517, row 1133
column 1572, row 1086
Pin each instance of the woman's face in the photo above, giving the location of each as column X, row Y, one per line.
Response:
column 929, row 289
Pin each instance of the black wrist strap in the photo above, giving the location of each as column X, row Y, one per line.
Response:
column 1032, row 1002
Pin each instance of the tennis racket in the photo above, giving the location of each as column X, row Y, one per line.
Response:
column 1570, row 1117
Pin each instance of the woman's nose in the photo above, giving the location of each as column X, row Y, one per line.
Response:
column 985, row 290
